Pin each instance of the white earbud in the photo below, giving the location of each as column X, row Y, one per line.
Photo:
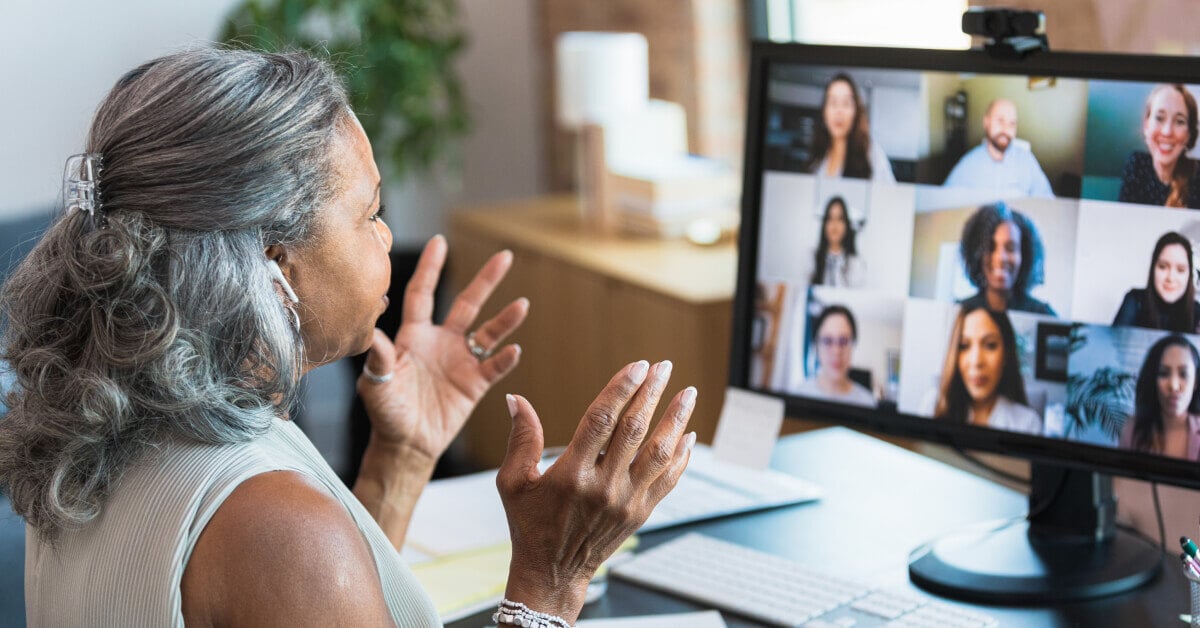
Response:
column 277, row 273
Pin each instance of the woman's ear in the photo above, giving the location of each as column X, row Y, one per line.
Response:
column 278, row 254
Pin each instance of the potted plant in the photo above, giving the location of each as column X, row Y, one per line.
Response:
column 397, row 59
column 1098, row 402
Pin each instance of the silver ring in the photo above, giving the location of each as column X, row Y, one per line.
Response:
column 376, row 379
column 476, row 349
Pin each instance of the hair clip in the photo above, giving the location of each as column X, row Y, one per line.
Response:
column 80, row 178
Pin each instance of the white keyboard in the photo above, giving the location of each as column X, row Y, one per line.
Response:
column 782, row 592
column 712, row 488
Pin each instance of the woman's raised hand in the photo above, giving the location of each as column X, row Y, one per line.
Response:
column 435, row 378
column 565, row 522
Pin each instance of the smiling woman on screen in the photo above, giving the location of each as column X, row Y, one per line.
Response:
column 1169, row 299
column 1164, row 174
column 1002, row 252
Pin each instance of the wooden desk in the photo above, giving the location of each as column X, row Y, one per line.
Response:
column 597, row 303
column 880, row 503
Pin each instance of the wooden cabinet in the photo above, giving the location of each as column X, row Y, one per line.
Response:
column 597, row 303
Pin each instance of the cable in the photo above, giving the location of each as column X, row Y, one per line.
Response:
column 1162, row 534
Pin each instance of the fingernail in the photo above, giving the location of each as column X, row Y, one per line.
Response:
column 512, row 405
column 639, row 371
column 691, row 440
column 518, row 348
column 663, row 371
column 689, row 396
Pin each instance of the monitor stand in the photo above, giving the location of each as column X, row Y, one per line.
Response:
column 1067, row 548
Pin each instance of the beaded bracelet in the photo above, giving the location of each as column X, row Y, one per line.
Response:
column 517, row 614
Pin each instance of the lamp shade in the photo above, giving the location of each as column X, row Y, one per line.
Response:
column 600, row 75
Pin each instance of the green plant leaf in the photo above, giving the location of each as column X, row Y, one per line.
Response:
column 396, row 57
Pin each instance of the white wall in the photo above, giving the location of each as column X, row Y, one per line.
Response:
column 502, row 159
column 62, row 56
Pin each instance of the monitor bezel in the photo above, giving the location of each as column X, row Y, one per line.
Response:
column 1048, row 450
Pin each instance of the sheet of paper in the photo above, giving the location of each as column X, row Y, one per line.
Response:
column 748, row 428
column 457, row 515
column 702, row 619
column 473, row 581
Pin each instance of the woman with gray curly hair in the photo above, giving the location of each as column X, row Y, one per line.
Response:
column 223, row 236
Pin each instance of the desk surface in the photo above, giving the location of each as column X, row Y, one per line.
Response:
column 552, row 226
column 880, row 503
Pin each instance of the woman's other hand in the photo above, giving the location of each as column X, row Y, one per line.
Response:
column 436, row 381
column 565, row 522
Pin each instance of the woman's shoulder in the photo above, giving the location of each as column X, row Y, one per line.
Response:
column 1138, row 161
column 1032, row 305
column 282, row 543
column 1016, row 417
column 881, row 166
column 861, row 395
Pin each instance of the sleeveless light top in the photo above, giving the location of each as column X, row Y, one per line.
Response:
column 125, row 567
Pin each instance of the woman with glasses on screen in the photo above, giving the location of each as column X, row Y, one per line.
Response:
column 981, row 378
column 842, row 145
column 836, row 261
column 834, row 334
column 1002, row 252
column 1164, row 174
column 1169, row 299
column 1166, row 414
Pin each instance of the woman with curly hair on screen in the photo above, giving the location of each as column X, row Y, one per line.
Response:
column 1002, row 252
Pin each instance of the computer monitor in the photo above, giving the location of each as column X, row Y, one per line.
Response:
column 1005, row 247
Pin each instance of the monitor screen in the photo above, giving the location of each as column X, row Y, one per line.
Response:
column 992, row 253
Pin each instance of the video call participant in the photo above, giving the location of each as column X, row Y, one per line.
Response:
column 1001, row 162
column 1166, row 415
column 1169, row 299
column 834, row 334
column 981, row 379
column 842, row 145
column 836, row 261
column 1002, row 253
column 1164, row 175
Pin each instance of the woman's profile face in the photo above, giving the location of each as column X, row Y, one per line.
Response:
column 1165, row 128
column 835, row 224
column 1004, row 257
column 835, row 344
column 839, row 109
column 342, row 274
column 1172, row 271
column 980, row 356
column 1176, row 381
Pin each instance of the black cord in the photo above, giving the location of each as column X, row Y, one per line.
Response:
column 990, row 469
column 1162, row 534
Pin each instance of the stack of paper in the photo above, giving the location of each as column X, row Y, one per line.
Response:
column 663, row 197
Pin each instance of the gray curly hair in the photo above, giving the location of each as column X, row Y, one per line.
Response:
column 159, row 317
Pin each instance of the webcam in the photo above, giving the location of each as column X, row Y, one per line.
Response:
column 1010, row 33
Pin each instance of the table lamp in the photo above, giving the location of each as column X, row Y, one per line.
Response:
column 600, row 77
